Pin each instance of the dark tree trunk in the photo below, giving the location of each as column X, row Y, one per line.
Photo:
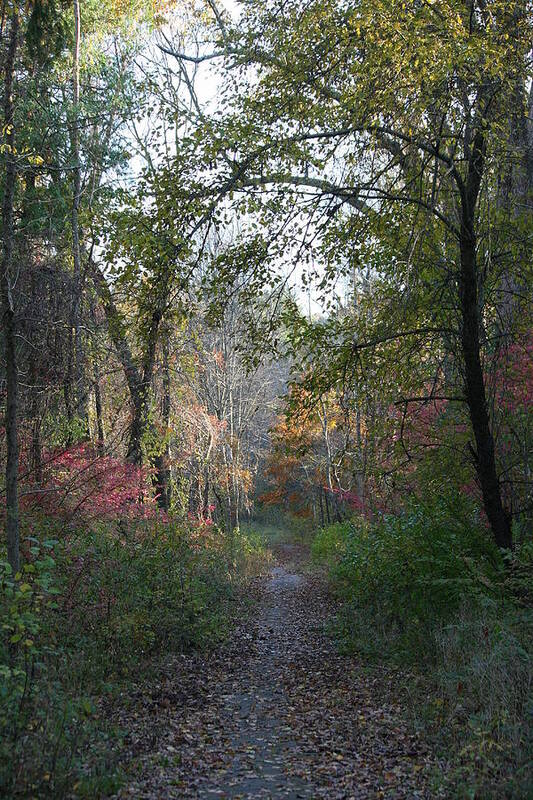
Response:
column 99, row 410
column 138, row 381
column 98, row 402
column 161, row 481
column 67, row 384
column 485, row 458
column 529, row 148
column 77, row 354
column 165, row 412
column 35, row 417
column 162, row 461
column 8, row 310
column 140, row 399
column 36, row 449
column 134, row 453
column 207, row 487
column 194, row 500
column 320, row 491
column 140, row 393
column 35, row 395
column 326, row 499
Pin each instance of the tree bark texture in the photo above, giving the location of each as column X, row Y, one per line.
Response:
column 485, row 457
column 8, row 306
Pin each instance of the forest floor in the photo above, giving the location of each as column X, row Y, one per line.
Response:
column 276, row 712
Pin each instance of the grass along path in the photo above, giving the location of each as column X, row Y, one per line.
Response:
column 276, row 713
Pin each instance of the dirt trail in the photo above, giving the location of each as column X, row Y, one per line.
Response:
column 254, row 712
column 279, row 714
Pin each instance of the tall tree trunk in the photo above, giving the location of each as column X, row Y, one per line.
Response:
column 205, row 502
column 77, row 349
column 140, row 394
column 100, row 435
column 329, row 480
column 529, row 148
column 67, row 388
column 476, row 397
column 36, row 420
column 98, row 403
column 35, row 395
column 328, row 516
column 138, row 381
column 8, row 309
column 515, row 198
column 165, row 413
column 320, row 493
column 138, row 425
column 162, row 460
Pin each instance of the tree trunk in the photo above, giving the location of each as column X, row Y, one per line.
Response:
column 34, row 388
column 320, row 492
column 67, row 386
column 205, row 502
column 137, row 381
column 162, row 461
column 36, row 460
column 485, row 458
column 140, row 393
column 515, row 198
column 98, row 402
column 328, row 516
column 77, row 351
column 100, row 435
column 8, row 309
column 529, row 148
column 134, row 454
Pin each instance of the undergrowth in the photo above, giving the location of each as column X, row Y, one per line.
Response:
column 427, row 590
column 88, row 611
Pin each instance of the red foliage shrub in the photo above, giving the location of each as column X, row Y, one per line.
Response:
column 80, row 484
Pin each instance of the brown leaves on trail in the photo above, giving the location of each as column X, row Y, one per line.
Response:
column 275, row 713
column 350, row 726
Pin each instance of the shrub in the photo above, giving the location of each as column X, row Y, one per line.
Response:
column 484, row 682
column 409, row 570
column 427, row 588
column 329, row 545
column 89, row 608
column 246, row 547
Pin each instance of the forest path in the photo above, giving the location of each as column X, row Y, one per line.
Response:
column 254, row 710
column 278, row 713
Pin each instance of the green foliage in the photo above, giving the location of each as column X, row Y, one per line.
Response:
column 84, row 615
column 484, row 702
column 25, row 597
column 145, row 592
column 247, row 548
column 46, row 32
column 329, row 545
column 60, row 431
column 412, row 569
column 428, row 589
